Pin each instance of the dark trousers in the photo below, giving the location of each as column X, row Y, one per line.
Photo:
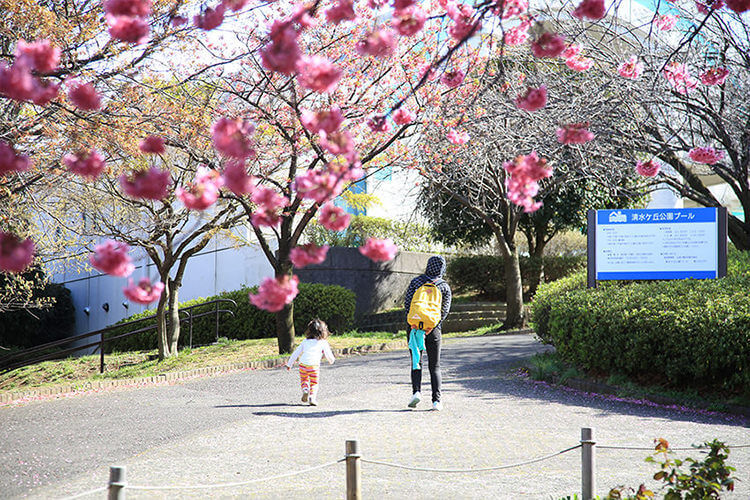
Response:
column 432, row 345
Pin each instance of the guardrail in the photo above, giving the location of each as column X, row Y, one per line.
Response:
column 21, row 358
column 117, row 484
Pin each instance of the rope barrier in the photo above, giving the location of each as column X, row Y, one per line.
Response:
column 483, row 469
column 86, row 493
column 240, row 483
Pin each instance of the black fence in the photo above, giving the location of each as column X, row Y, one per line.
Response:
column 55, row 350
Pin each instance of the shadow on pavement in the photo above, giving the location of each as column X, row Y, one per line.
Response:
column 322, row 414
column 472, row 368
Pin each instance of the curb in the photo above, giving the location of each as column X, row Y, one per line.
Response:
column 591, row 386
column 166, row 378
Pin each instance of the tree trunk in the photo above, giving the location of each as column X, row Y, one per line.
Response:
column 537, row 268
column 173, row 331
column 285, row 317
column 161, row 326
column 739, row 233
column 514, row 316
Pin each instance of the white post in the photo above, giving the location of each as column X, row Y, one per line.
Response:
column 116, row 483
column 588, row 464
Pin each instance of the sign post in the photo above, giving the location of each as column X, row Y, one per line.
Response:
column 657, row 244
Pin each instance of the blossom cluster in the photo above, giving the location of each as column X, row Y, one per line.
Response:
column 524, row 173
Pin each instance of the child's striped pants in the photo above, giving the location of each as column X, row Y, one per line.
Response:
column 308, row 377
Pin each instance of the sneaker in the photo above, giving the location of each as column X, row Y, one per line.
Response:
column 415, row 399
column 304, row 397
column 313, row 401
column 437, row 405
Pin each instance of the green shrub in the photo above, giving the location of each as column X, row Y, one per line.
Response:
column 331, row 303
column 485, row 274
column 34, row 326
column 686, row 333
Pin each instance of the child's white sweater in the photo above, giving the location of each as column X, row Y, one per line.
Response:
column 310, row 352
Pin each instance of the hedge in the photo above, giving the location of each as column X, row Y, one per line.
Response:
column 28, row 328
column 682, row 333
column 331, row 303
column 485, row 274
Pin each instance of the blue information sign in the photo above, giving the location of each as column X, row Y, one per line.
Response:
column 650, row 244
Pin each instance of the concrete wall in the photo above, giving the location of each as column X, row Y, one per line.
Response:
column 377, row 285
column 219, row 268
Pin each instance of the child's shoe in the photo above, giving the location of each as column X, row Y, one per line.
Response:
column 313, row 401
column 304, row 396
column 415, row 399
column 437, row 405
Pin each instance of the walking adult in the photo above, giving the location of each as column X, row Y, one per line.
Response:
column 433, row 298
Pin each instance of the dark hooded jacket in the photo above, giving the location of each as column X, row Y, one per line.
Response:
column 435, row 270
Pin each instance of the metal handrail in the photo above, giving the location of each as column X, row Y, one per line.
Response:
column 13, row 361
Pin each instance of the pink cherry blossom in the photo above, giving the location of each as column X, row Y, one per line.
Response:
column 678, row 76
column 43, row 92
column 231, row 137
column 178, row 21
column 579, row 63
column 510, row 8
column 453, row 78
column 533, row 99
column 409, row 21
column 403, row 4
column 378, row 123
column 128, row 28
column 17, row 83
column 84, row 96
column 665, row 22
column 318, row 186
column 590, row 9
column 282, row 52
column 151, row 184
column 707, row 155
column 269, row 203
column 135, row 8
column 456, row 137
column 739, row 6
column 338, row 143
column 274, row 293
column 210, row 18
column 11, row 161
column 524, row 172
column 379, row 250
column 111, row 257
column 152, row 144
column 203, row 192
column 517, row 35
column 376, row 4
column 15, row 254
column 572, row 50
column 341, row 10
column 574, row 133
column 647, row 168
column 318, row 74
column 379, row 43
column 236, row 178
column 714, row 76
column 403, row 116
column 144, row 292
column 324, row 120
column 631, row 68
column 235, row 5
column 333, row 218
column 548, row 45
column 40, row 55
column 305, row 255
column 463, row 15
column 89, row 164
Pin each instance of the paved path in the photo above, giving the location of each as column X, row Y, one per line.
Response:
column 247, row 425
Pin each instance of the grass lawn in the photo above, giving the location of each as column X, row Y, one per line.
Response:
column 137, row 364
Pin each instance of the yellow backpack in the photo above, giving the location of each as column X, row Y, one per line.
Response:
column 425, row 309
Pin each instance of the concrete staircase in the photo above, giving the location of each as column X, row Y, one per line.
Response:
column 463, row 317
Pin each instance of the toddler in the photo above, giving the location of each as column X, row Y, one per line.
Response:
column 310, row 352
